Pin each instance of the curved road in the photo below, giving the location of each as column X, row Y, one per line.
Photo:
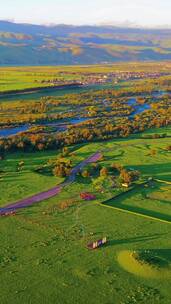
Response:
column 51, row 192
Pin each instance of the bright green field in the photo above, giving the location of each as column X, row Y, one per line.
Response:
column 19, row 78
column 43, row 255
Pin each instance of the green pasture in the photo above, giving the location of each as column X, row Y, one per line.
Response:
column 20, row 78
column 43, row 254
column 16, row 184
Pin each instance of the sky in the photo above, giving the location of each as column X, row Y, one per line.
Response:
column 128, row 12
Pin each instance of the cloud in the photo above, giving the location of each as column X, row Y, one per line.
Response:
column 143, row 12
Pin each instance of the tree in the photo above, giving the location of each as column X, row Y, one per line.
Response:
column 125, row 177
column 104, row 172
column 129, row 176
column 62, row 167
column 65, row 151
column 59, row 171
column 117, row 167
column 153, row 152
column 85, row 173
column 2, row 155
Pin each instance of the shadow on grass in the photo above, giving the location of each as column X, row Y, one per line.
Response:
column 118, row 203
column 162, row 253
column 137, row 239
column 155, row 169
column 144, row 212
column 119, row 155
column 7, row 180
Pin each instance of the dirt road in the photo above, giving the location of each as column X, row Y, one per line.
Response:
column 51, row 192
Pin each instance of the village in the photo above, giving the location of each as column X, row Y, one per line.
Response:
column 102, row 78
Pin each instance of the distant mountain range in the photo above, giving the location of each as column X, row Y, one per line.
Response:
column 26, row 44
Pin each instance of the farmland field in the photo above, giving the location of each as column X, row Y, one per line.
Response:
column 43, row 253
column 20, row 78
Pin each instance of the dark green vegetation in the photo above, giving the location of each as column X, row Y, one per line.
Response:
column 153, row 258
column 146, row 263
column 43, row 253
column 22, row 44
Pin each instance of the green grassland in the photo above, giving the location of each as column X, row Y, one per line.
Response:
column 18, row 184
column 20, row 78
column 16, row 78
column 43, row 255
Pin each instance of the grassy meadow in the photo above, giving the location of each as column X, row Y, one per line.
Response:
column 43, row 255
column 21, row 78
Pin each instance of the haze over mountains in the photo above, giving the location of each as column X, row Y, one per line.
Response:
column 26, row 44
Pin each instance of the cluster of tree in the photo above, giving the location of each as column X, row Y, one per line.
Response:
column 107, row 177
column 100, row 103
column 103, row 131
column 95, row 129
column 62, row 168
column 91, row 170
column 125, row 175
column 168, row 148
column 2, row 155
column 129, row 176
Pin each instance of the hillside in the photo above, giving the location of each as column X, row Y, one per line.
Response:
column 25, row 44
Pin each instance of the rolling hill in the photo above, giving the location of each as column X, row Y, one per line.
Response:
column 26, row 44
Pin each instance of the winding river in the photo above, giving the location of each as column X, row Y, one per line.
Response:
column 63, row 124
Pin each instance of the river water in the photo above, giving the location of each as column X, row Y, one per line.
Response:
column 58, row 126
column 139, row 108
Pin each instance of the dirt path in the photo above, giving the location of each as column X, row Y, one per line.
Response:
column 53, row 191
